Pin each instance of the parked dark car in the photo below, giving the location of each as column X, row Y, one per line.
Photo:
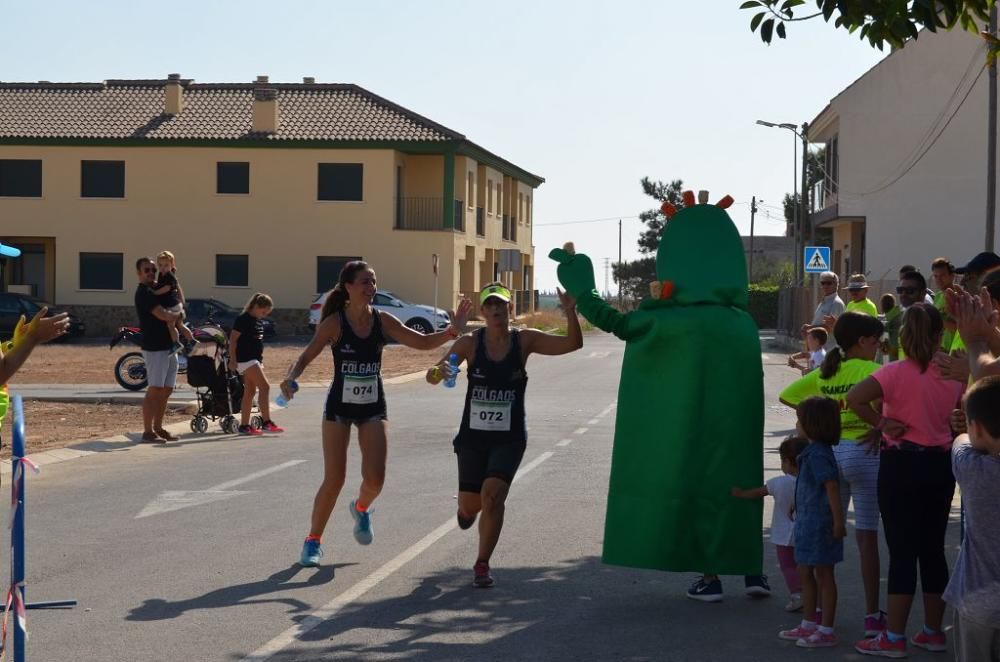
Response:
column 213, row 311
column 12, row 306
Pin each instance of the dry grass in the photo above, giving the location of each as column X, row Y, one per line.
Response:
column 88, row 363
column 552, row 321
column 57, row 425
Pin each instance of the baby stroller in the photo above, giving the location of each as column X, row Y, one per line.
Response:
column 219, row 391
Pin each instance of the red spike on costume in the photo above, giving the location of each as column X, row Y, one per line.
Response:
column 667, row 291
column 689, row 200
column 725, row 203
column 668, row 209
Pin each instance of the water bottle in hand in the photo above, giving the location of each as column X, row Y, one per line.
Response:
column 281, row 401
column 453, row 370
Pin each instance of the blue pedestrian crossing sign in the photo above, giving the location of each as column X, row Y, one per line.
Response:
column 816, row 259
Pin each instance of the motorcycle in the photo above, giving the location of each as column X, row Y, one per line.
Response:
column 130, row 369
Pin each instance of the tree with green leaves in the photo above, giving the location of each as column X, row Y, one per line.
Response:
column 654, row 219
column 635, row 277
column 880, row 22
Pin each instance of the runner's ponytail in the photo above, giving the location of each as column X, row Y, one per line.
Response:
column 337, row 298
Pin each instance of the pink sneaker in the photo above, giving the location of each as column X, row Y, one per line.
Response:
column 880, row 646
column 873, row 626
column 932, row 642
column 818, row 640
column 797, row 633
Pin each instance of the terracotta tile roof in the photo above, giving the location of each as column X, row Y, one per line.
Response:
column 134, row 109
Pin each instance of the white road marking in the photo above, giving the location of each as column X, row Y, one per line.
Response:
column 330, row 609
column 172, row 500
column 580, row 430
column 598, row 355
column 593, row 421
column 564, row 442
column 607, row 410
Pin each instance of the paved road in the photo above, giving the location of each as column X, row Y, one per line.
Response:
column 187, row 551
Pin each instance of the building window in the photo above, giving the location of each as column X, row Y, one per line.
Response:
column 470, row 195
column 328, row 270
column 21, row 178
column 232, row 178
column 232, row 271
column 527, row 211
column 489, row 196
column 520, row 206
column 499, row 198
column 102, row 179
column 101, row 271
column 340, row 181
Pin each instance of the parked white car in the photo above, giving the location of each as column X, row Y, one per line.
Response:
column 424, row 319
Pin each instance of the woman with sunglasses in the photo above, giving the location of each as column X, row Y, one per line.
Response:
column 356, row 332
column 492, row 437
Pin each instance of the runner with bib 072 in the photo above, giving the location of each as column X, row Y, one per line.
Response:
column 492, row 437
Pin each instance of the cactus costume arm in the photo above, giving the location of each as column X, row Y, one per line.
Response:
column 690, row 414
column 576, row 275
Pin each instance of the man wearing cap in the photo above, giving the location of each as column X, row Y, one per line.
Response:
column 26, row 337
column 857, row 288
column 829, row 309
column 973, row 273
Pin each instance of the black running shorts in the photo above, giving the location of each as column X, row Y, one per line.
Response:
column 479, row 462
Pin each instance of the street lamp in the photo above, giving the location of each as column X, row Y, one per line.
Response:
column 800, row 211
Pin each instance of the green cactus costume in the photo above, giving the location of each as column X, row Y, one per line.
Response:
column 690, row 404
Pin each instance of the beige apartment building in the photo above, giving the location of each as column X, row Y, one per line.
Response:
column 255, row 187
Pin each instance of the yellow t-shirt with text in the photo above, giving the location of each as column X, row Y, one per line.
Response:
column 850, row 373
column 867, row 307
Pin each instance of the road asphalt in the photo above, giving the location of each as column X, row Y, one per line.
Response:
column 188, row 550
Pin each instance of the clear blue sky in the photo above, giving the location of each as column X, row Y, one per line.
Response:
column 591, row 95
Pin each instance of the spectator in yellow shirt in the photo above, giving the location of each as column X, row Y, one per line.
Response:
column 857, row 289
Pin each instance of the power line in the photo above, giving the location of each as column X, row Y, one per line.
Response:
column 589, row 220
column 970, row 68
column 932, row 143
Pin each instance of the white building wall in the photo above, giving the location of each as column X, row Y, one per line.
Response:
column 938, row 207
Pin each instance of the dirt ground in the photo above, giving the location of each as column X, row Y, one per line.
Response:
column 57, row 425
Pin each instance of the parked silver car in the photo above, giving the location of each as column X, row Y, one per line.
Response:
column 424, row 319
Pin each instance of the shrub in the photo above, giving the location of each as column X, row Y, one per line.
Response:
column 764, row 305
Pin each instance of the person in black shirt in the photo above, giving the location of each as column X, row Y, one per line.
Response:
column 356, row 332
column 492, row 437
column 246, row 356
column 161, row 363
column 169, row 295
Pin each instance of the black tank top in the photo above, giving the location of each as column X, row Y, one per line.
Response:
column 494, row 401
column 357, row 390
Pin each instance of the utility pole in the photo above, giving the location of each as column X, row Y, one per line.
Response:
column 753, row 212
column 607, row 271
column 620, row 265
column 991, row 144
column 804, row 200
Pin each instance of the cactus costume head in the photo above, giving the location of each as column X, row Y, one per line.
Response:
column 690, row 403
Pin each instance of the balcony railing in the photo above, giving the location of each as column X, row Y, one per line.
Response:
column 480, row 222
column 426, row 214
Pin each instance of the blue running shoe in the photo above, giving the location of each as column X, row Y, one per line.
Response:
column 710, row 591
column 757, row 586
column 363, row 531
column 312, row 551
